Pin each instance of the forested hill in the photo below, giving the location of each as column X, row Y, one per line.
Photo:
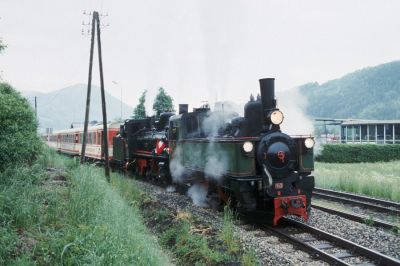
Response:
column 370, row 93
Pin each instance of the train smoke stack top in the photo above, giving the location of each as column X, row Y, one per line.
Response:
column 183, row 108
column 267, row 88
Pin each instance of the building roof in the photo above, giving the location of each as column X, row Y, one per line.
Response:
column 369, row 122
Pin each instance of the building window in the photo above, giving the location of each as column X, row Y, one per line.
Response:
column 349, row 134
column 357, row 133
column 364, row 133
column 397, row 133
column 343, row 134
column 380, row 133
column 389, row 133
column 372, row 133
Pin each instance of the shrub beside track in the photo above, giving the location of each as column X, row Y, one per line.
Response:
column 19, row 142
column 358, row 153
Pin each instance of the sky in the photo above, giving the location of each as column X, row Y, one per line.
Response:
column 203, row 50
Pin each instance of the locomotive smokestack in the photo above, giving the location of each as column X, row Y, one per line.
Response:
column 267, row 88
column 183, row 108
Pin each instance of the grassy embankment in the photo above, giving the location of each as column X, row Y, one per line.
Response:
column 73, row 216
column 69, row 217
column 380, row 180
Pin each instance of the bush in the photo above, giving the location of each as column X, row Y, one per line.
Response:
column 361, row 153
column 19, row 142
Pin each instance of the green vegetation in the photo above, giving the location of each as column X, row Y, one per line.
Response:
column 179, row 232
column 353, row 153
column 162, row 103
column 380, row 180
column 69, row 217
column 370, row 93
column 227, row 232
column 19, row 142
column 192, row 242
column 140, row 109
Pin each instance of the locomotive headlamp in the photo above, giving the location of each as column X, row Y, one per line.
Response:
column 276, row 117
column 248, row 146
column 309, row 143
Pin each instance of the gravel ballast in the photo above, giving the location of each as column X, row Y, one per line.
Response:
column 271, row 250
column 371, row 237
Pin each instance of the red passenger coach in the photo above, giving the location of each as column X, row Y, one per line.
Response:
column 69, row 141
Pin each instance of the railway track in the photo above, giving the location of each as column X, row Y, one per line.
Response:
column 326, row 250
column 358, row 217
column 380, row 205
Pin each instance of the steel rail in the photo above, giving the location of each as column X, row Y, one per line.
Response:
column 356, row 202
column 382, row 202
column 357, row 217
column 376, row 256
column 315, row 252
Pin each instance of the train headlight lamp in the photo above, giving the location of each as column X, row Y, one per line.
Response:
column 248, row 146
column 276, row 117
column 309, row 143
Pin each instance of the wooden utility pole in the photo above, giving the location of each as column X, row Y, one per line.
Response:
column 103, row 101
column 96, row 22
column 89, row 87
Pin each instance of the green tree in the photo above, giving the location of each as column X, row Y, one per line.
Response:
column 140, row 109
column 19, row 141
column 162, row 103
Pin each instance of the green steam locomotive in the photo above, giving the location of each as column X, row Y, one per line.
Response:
column 245, row 161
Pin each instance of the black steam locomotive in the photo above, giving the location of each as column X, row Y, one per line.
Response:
column 246, row 160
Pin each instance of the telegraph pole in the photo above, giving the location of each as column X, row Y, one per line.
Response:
column 103, row 100
column 89, row 87
column 96, row 22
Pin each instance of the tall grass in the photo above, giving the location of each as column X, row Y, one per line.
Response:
column 49, row 158
column 373, row 179
column 112, row 232
column 227, row 231
column 83, row 220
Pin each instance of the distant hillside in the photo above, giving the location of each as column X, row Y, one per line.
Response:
column 58, row 109
column 370, row 93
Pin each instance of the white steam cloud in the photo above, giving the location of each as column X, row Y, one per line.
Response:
column 176, row 167
column 293, row 105
column 198, row 194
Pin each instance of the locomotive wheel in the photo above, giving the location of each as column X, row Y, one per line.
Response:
column 215, row 202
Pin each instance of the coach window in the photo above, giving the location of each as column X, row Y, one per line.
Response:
column 98, row 138
column 397, row 133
